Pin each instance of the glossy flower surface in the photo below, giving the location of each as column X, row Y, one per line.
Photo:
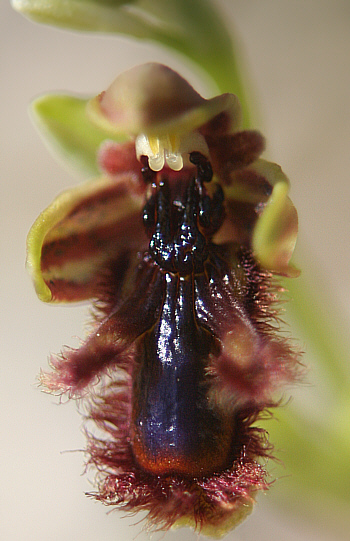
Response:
column 176, row 244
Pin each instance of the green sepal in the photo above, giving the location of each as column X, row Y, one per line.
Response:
column 276, row 230
column 69, row 133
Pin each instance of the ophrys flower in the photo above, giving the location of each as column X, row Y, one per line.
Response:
column 176, row 244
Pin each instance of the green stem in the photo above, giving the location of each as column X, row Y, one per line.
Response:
column 206, row 41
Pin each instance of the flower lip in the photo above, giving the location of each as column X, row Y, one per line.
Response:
column 155, row 100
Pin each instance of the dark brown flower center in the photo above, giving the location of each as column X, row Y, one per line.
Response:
column 180, row 226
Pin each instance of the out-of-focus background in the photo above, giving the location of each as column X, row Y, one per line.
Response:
column 297, row 55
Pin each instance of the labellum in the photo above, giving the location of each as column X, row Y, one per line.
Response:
column 177, row 245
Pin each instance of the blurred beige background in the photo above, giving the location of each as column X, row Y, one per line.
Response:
column 298, row 56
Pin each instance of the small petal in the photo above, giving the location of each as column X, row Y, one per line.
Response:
column 234, row 151
column 83, row 229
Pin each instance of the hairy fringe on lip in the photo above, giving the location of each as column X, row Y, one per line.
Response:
column 207, row 502
column 211, row 503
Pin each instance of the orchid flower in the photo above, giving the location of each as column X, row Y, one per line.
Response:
column 82, row 129
column 176, row 243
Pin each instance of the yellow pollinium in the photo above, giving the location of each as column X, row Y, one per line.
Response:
column 170, row 149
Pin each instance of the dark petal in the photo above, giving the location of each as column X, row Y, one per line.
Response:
column 218, row 126
column 231, row 152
